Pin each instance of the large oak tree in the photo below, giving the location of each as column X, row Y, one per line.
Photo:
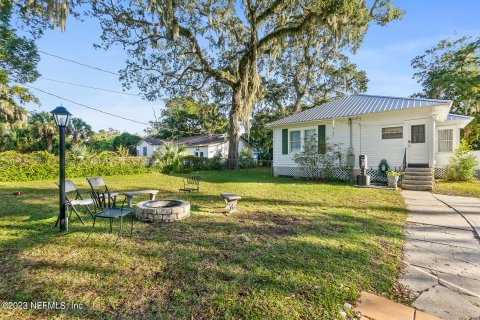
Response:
column 187, row 47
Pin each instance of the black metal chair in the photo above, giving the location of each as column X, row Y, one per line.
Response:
column 110, row 213
column 107, row 199
column 77, row 200
column 191, row 184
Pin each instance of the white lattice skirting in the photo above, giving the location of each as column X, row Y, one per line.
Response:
column 343, row 174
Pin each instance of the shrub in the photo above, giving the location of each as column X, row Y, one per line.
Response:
column 169, row 158
column 80, row 152
column 193, row 163
column 461, row 166
column 245, row 159
column 320, row 165
column 218, row 162
column 43, row 165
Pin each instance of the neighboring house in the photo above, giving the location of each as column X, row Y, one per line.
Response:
column 205, row 146
column 390, row 128
column 147, row 146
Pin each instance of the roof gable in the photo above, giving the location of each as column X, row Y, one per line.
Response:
column 357, row 104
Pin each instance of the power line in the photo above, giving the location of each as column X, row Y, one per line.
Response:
column 85, row 106
column 84, row 86
column 79, row 63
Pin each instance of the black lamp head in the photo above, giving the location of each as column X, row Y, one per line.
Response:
column 61, row 116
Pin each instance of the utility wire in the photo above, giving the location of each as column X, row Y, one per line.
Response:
column 85, row 106
column 79, row 63
column 84, row 86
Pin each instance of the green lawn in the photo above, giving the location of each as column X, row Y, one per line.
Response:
column 466, row 189
column 313, row 247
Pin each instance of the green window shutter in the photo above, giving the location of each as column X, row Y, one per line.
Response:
column 284, row 141
column 321, row 139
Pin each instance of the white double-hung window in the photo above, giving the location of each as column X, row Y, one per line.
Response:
column 295, row 141
column 445, row 140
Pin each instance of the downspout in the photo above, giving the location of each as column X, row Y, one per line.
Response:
column 360, row 127
column 351, row 133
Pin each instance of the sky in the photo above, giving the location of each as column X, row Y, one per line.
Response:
column 385, row 55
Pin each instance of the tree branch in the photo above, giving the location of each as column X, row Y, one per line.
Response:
column 285, row 31
column 220, row 75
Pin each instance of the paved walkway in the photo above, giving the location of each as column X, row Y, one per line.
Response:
column 442, row 254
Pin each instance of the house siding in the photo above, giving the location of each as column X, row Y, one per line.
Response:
column 150, row 148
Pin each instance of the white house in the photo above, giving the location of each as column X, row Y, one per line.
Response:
column 147, row 146
column 206, row 146
column 209, row 145
column 421, row 130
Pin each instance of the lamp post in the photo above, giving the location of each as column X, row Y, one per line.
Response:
column 62, row 117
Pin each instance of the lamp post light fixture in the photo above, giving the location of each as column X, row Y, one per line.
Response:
column 62, row 118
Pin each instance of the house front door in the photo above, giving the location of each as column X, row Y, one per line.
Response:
column 417, row 148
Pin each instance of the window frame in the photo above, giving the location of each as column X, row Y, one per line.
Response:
column 145, row 151
column 444, row 140
column 384, row 137
column 299, row 141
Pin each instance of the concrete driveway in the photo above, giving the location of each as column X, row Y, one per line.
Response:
column 442, row 254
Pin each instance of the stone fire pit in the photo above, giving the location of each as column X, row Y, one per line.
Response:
column 162, row 210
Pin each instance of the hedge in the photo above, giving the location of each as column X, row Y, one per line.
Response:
column 43, row 165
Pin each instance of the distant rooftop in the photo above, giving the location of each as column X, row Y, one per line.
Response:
column 202, row 140
column 355, row 105
column 154, row 141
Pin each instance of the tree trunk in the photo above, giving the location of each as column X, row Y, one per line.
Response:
column 297, row 106
column 234, row 131
column 75, row 139
column 49, row 140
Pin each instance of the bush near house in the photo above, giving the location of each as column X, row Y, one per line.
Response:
column 173, row 158
column 43, row 165
column 317, row 162
column 461, row 166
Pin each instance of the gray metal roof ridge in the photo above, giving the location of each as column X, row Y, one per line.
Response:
column 392, row 97
column 357, row 104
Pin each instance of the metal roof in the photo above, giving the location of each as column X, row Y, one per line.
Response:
column 153, row 141
column 202, row 140
column 453, row 117
column 357, row 104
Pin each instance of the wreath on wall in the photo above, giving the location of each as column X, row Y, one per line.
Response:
column 383, row 167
